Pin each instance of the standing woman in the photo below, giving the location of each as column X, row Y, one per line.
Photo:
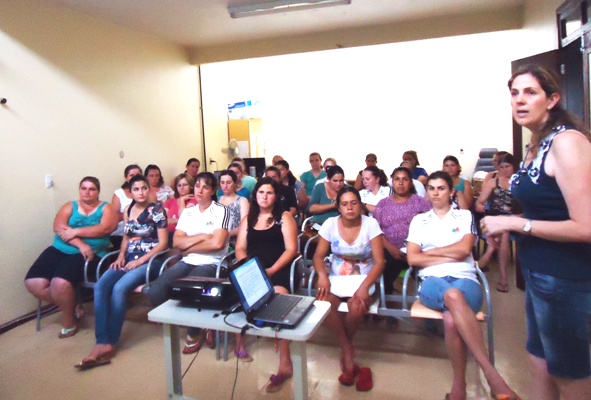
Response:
column 158, row 190
column 82, row 229
column 554, row 247
column 357, row 249
column 394, row 214
column 440, row 244
column 498, row 196
column 237, row 205
column 121, row 199
column 323, row 201
column 271, row 234
column 463, row 187
column 146, row 234
column 183, row 198
column 376, row 187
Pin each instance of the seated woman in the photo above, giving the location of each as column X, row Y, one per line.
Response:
column 419, row 187
column 201, row 236
column 82, row 229
column 240, row 190
column 237, row 205
column 376, row 188
column 183, row 198
column 357, row 249
column 158, row 190
column 323, row 201
column 329, row 162
column 287, row 178
column 418, row 173
column 463, row 187
column 121, row 199
column 371, row 160
column 497, row 195
column 493, row 174
column 146, row 234
column 394, row 214
column 440, row 244
column 192, row 167
column 270, row 234
column 247, row 181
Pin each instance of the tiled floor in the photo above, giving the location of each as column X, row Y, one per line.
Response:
column 407, row 363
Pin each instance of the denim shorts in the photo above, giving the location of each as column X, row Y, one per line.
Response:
column 558, row 313
column 433, row 288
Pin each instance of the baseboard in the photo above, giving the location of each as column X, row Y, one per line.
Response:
column 45, row 310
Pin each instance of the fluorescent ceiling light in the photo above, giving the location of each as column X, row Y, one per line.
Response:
column 280, row 6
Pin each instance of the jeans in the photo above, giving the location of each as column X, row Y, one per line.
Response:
column 433, row 289
column 558, row 312
column 110, row 301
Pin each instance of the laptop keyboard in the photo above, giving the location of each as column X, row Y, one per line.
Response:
column 279, row 308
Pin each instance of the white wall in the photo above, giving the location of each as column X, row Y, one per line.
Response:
column 434, row 96
column 79, row 91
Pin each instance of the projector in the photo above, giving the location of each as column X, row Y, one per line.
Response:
column 210, row 293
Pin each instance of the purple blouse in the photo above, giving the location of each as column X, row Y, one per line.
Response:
column 394, row 218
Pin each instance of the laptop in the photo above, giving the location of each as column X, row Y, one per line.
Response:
column 259, row 301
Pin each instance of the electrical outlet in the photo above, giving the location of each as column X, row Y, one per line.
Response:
column 48, row 181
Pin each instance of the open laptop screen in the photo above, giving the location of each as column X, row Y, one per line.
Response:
column 250, row 283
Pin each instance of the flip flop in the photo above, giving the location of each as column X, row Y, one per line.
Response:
column 243, row 355
column 92, row 362
column 276, row 382
column 193, row 346
column 347, row 378
column 503, row 288
column 68, row 332
column 364, row 381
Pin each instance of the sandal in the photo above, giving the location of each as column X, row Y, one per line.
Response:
column 502, row 287
column 505, row 397
column 243, row 355
column 347, row 378
column 364, row 381
column 91, row 362
column 276, row 382
column 192, row 345
column 68, row 332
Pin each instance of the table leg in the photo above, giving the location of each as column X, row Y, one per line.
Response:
column 172, row 357
column 300, row 370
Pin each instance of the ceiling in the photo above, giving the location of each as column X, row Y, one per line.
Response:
column 206, row 23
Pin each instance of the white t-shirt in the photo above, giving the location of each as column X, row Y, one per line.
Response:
column 193, row 222
column 355, row 258
column 124, row 201
column 429, row 231
column 419, row 187
column 368, row 197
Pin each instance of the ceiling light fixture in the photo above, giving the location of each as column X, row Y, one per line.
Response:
column 281, row 6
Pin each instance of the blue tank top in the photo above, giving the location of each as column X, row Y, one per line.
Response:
column 542, row 199
column 77, row 220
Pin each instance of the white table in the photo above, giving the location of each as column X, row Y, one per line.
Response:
column 172, row 316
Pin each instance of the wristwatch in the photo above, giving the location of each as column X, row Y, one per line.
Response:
column 527, row 227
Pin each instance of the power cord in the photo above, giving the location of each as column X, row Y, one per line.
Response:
column 242, row 332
